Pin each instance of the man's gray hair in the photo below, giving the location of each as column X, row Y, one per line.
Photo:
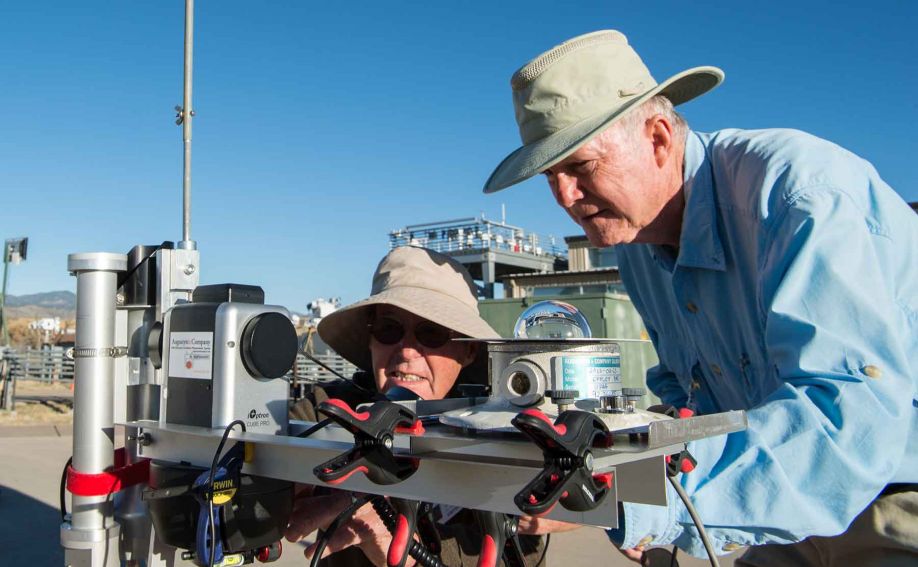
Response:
column 653, row 106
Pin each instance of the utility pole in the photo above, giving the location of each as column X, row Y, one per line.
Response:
column 14, row 251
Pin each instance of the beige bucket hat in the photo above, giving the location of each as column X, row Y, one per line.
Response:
column 423, row 282
column 575, row 90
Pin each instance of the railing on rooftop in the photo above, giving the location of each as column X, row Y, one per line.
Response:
column 477, row 234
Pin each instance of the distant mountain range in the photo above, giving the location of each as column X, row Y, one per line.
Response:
column 38, row 305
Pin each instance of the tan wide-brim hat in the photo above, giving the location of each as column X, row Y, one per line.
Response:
column 576, row 90
column 423, row 282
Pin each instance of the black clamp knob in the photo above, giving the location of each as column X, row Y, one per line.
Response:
column 567, row 476
column 374, row 431
column 634, row 392
column 562, row 395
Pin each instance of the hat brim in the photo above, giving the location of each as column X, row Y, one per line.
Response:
column 346, row 332
column 531, row 159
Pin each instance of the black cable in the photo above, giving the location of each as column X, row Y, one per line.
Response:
column 315, row 428
column 712, row 557
column 322, row 364
column 672, row 558
column 210, row 485
column 338, row 374
column 417, row 550
column 544, row 550
column 344, row 516
column 64, row 490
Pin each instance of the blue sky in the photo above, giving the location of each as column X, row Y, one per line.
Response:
column 321, row 126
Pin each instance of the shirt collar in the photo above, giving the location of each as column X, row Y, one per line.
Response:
column 699, row 243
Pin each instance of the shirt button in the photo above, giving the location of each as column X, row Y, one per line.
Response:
column 732, row 546
column 691, row 307
column 645, row 541
column 872, row 371
column 696, row 385
column 716, row 369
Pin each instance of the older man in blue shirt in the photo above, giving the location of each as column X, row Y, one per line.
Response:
column 776, row 272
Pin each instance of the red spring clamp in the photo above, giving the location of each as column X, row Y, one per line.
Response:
column 373, row 431
column 568, row 473
column 682, row 462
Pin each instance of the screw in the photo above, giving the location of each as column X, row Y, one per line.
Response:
column 143, row 439
column 588, row 461
column 189, row 269
column 119, row 299
column 230, row 344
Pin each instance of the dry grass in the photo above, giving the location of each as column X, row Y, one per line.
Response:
column 39, row 413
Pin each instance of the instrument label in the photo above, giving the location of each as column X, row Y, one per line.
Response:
column 191, row 355
column 592, row 376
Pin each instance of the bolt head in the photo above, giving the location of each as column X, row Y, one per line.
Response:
column 189, row 269
column 588, row 461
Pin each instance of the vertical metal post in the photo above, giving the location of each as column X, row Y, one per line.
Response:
column 187, row 114
column 6, row 265
column 90, row 538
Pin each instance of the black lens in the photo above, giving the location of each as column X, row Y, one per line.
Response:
column 387, row 331
column 431, row 335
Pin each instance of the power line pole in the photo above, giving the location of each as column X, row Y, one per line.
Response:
column 14, row 251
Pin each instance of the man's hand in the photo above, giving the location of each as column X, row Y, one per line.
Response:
column 365, row 529
column 635, row 554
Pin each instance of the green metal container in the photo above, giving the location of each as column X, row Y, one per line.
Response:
column 610, row 316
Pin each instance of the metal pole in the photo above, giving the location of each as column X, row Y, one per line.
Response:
column 6, row 264
column 89, row 536
column 187, row 113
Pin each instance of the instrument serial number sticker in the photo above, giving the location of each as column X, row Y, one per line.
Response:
column 191, row 355
column 592, row 376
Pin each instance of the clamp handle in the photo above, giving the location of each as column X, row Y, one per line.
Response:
column 567, row 476
column 498, row 538
column 405, row 525
column 203, row 544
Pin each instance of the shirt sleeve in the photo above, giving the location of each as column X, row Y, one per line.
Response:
column 823, row 445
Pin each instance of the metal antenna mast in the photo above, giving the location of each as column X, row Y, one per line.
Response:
column 185, row 114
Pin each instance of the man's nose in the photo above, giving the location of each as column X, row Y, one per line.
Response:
column 567, row 190
column 408, row 347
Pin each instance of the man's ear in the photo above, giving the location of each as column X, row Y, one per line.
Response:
column 661, row 133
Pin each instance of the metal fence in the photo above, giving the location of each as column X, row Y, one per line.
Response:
column 43, row 365
column 307, row 373
column 52, row 365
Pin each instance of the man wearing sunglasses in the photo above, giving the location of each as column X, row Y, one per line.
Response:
column 401, row 336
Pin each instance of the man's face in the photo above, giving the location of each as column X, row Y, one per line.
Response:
column 613, row 187
column 426, row 371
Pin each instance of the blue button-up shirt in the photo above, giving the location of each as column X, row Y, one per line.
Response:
column 794, row 295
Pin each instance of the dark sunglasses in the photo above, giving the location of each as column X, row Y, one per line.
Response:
column 389, row 331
